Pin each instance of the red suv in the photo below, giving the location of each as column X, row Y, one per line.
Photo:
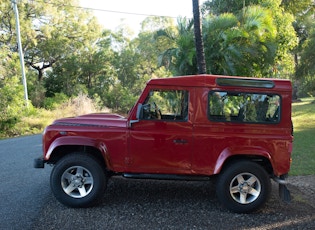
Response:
column 235, row 129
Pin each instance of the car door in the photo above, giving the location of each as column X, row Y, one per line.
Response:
column 161, row 141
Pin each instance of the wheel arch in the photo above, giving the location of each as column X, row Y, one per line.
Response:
column 66, row 145
column 228, row 157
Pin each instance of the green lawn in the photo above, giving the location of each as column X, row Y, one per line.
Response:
column 303, row 116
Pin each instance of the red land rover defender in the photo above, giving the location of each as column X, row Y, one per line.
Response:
column 238, row 130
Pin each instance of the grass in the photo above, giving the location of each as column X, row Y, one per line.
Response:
column 38, row 119
column 303, row 117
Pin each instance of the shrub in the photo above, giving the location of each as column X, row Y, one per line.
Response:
column 34, row 120
column 307, row 87
column 12, row 105
column 53, row 102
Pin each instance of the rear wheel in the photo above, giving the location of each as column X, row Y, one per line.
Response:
column 243, row 187
column 78, row 180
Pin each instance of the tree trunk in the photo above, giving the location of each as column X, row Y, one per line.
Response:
column 296, row 81
column 201, row 62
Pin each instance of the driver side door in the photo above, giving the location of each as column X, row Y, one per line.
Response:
column 161, row 142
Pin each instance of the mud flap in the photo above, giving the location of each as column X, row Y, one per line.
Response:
column 284, row 193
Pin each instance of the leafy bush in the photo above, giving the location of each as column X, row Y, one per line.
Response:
column 53, row 102
column 12, row 105
column 307, row 87
column 120, row 99
column 37, row 94
column 38, row 118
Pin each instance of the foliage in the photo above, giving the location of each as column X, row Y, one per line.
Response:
column 56, row 38
column 304, row 55
column 250, row 41
column 36, row 119
column 307, row 66
column 298, row 8
column 241, row 44
column 218, row 7
column 268, row 34
column 11, row 102
column 180, row 56
column 120, row 99
column 67, row 52
column 307, row 86
column 51, row 103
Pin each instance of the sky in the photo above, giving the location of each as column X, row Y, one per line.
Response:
column 112, row 13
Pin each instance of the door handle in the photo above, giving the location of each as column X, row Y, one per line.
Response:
column 180, row 141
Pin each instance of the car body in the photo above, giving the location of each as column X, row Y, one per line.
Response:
column 236, row 129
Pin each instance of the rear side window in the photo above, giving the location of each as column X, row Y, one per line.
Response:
column 244, row 107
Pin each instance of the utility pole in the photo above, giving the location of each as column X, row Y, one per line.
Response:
column 18, row 36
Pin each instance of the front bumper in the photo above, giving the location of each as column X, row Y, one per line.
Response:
column 39, row 163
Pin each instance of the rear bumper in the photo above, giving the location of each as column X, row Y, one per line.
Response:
column 39, row 163
column 281, row 179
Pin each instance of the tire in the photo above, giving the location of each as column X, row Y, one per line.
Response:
column 78, row 180
column 243, row 187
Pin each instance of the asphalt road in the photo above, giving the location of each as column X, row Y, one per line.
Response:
column 26, row 201
column 23, row 189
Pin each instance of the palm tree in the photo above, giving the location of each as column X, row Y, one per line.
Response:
column 242, row 44
column 201, row 62
column 180, row 58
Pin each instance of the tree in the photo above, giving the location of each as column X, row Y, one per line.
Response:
column 201, row 62
column 135, row 62
column 303, row 25
column 89, row 71
column 54, row 35
column 285, row 39
column 180, row 56
column 307, row 66
column 298, row 8
column 242, row 44
column 11, row 91
column 50, row 31
column 58, row 30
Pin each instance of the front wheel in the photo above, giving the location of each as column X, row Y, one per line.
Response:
column 243, row 187
column 78, row 180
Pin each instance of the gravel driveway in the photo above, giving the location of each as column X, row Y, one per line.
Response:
column 139, row 204
column 27, row 201
column 306, row 185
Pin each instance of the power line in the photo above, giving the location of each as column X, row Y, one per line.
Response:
column 109, row 11
column 123, row 12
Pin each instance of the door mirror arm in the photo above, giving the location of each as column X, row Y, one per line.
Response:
column 138, row 115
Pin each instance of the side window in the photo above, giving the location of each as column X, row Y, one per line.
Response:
column 166, row 105
column 244, row 107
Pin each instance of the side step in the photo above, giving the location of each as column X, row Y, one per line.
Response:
column 165, row 177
